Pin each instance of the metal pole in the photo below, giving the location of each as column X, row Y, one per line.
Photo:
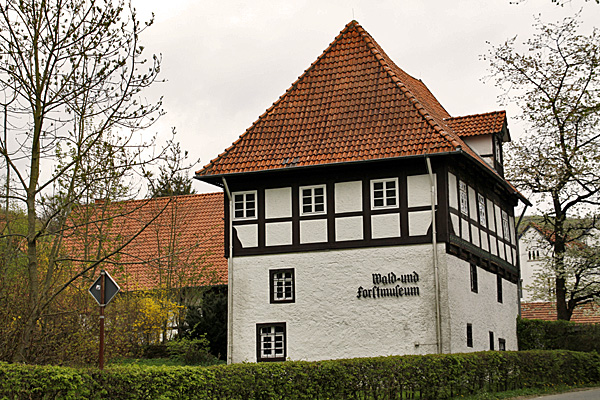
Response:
column 102, row 305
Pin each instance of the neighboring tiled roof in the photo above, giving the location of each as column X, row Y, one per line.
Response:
column 181, row 240
column 479, row 124
column 352, row 104
column 586, row 313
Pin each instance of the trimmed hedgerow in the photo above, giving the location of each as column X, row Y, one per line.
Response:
column 394, row 377
column 534, row 334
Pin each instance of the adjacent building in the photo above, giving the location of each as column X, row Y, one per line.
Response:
column 361, row 219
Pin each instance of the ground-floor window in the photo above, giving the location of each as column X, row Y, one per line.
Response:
column 491, row 340
column 469, row 335
column 271, row 342
column 501, row 344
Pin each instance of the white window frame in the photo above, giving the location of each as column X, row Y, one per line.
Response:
column 385, row 196
column 282, row 282
column 482, row 210
column 245, row 207
column 463, row 198
column 271, row 337
column 313, row 202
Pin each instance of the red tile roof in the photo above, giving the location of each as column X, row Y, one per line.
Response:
column 586, row 313
column 180, row 244
column 352, row 104
column 480, row 124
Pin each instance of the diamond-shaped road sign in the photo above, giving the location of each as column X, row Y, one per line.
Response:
column 110, row 288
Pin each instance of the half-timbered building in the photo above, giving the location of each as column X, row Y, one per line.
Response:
column 362, row 219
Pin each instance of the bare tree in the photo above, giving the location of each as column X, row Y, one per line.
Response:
column 555, row 79
column 71, row 74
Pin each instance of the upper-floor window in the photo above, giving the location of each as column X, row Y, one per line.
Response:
column 474, row 285
column 481, row 209
column 464, row 204
column 312, row 200
column 244, row 205
column 384, row 193
column 505, row 226
column 282, row 285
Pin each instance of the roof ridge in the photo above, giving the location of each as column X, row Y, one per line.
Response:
column 422, row 110
column 474, row 115
column 165, row 198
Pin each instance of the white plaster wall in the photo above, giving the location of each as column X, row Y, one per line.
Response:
column 484, row 241
column 385, row 226
column 498, row 215
column 328, row 321
column 247, row 234
column 482, row 144
column 278, row 233
column 481, row 309
column 531, row 240
column 491, row 215
column 465, row 229
column 452, row 192
column 475, row 235
column 419, row 190
column 278, row 203
column 473, row 204
column 419, row 222
column 348, row 196
column 455, row 223
column 348, row 228
column 313, row 231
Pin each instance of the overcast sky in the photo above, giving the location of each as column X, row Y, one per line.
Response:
column 225, row 62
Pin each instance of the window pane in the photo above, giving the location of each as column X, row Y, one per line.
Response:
column 378, row 202
column 391, row 202
column 319, row 191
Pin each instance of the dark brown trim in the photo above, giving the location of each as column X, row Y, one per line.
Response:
column 259, row 357
column 272, row 299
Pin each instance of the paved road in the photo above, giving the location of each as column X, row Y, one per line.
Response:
column 590, row 394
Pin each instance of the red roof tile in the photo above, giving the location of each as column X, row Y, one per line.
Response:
column 180, row 244
column 479, row 124
column 352, row 104
column 586, row 313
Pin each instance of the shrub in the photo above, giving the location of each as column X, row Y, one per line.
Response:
column 190, row 351
column 418, row 377
column 557, row 335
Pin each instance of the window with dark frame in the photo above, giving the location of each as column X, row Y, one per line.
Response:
column 312, row 200
column 469, row 335
column 505, row 226
column 482, row 212
column 501, row 344
column 271, row 342
column 491, row 340
column 244, row 205
column 499, row 288
column 384, row 193
column 464, row 203
column 474, row 285
column 282, row 285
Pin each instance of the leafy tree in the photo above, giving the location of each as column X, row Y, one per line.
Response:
column 71, row 74
column 172, row 179
column 555, row 79
column 209, row 320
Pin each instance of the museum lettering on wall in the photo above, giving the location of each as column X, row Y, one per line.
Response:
column 391, row 285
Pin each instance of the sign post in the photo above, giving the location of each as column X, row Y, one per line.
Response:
column 103, row 290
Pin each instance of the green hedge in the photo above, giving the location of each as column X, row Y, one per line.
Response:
column 536, row 334
column 395, row 377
